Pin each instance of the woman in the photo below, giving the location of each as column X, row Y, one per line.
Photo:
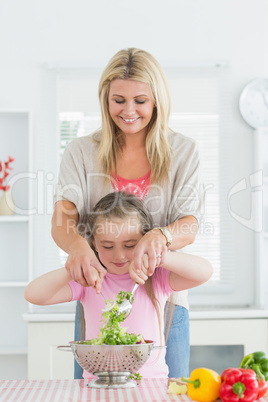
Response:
column 134, row 151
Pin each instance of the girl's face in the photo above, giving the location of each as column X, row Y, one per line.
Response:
column 131, row 105
column 115, row 240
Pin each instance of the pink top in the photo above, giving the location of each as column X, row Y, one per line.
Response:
column 139, row 187
column 142, row 320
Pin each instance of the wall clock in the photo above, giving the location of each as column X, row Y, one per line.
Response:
column 253, row 103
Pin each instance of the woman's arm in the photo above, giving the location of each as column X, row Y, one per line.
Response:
column 186, row 270
column 50, row 288
column 64, row 225
column 153, row 243
column 82, row 262
column 183, row 232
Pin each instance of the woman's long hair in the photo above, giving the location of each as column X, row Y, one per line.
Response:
column 138, row 65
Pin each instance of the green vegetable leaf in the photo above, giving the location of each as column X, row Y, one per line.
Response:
column 112, row 333
column 135, row 376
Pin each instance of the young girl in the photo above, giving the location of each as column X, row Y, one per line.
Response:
column 118, row 222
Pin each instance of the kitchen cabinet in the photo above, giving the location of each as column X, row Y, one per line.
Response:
column 45, row 361
column 222, row 343
column 223, row 328
column 15, row 245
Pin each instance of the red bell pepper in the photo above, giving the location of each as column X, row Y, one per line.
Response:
column 263, row 388
column 239, row 385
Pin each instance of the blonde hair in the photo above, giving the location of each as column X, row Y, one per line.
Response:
column 138, row 65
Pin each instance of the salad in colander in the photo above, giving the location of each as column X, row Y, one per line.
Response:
column 112, row 333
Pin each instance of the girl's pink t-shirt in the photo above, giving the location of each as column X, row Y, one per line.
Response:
column 142, row 320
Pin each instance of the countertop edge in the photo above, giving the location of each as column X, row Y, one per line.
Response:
column 194, row 315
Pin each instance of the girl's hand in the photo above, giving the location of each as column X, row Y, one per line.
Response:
column 142, row 276
column 152, row 244
column 84, row 267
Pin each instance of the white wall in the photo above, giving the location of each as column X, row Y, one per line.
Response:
column 42, row 31
column 34, row 33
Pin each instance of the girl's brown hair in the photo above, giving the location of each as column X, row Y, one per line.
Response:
column 122, row 205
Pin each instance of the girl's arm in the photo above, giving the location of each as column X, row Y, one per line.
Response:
column 186, row 270
column 50, row 288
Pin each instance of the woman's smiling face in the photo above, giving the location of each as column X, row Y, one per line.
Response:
column 131, row 105
column 115, row 240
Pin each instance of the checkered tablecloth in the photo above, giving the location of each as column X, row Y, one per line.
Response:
column 149, row 390
column 77, row 390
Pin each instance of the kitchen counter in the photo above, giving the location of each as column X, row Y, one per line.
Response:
column 194, row 314
column 216, row 330
column 149, row 390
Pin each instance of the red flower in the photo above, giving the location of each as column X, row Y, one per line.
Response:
column 5, row 173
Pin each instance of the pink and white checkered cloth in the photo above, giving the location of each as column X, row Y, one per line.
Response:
column 151, row 390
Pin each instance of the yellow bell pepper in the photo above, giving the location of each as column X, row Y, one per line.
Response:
column 203, row 385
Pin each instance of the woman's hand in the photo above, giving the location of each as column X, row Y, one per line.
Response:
column 152, row 244
column 141, row 276
column 83, row 265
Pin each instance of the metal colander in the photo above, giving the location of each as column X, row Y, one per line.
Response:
column 112, row 364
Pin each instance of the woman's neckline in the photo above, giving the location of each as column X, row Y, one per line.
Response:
column 120, row 178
